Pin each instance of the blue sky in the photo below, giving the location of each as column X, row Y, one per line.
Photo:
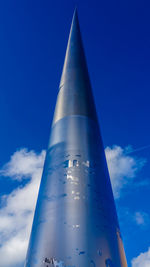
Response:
column 116, row 39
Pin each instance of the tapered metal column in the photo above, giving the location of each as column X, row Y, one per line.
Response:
column 75, row 222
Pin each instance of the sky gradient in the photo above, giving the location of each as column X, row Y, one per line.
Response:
column 116, row 38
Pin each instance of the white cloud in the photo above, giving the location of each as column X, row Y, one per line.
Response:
column 23, row 164
column 141, row 218
column 16, row 213
column 143, row 260
column 122, row 167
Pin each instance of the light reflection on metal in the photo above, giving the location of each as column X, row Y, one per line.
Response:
column 75, row 222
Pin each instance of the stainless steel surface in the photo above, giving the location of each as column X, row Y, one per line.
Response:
column 75, row 95
column 75, row 222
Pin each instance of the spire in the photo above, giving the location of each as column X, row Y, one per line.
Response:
column 75, row 221
column 75, row 97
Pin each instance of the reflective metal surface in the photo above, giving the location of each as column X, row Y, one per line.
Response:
column 75, row 95
column 75, row 222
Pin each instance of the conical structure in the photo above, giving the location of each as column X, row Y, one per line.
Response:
column 75, row 222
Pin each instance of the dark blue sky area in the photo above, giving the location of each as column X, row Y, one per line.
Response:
column 116, row 37
column 34, row 35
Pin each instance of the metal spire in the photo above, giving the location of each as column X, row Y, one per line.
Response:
column 75, row 97
column 75, row 222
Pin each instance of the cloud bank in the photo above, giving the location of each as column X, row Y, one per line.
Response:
column 17, row 208
column 16, row 214
column 143, row 260
column 123, row 168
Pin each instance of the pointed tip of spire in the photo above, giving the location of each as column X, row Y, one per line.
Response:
column 75, row 20
column 75, row 14
column 75, row 10
column 75, row 97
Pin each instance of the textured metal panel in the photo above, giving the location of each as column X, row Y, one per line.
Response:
column 75, row 222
